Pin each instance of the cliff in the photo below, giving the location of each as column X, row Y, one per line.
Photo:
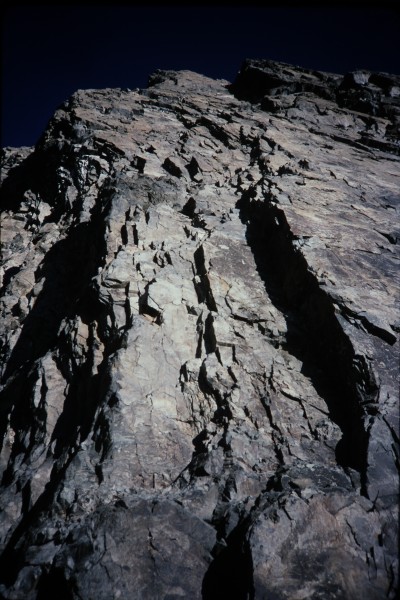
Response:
column 199, row 341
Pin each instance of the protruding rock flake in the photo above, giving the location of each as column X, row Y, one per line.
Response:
column 200, row 341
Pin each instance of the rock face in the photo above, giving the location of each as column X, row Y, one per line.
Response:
column 199, row 342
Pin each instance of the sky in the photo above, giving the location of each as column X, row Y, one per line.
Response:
column 48, row 52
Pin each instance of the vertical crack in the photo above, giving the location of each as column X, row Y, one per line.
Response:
column 202, row 282
column 230, row 574
column 314, row 334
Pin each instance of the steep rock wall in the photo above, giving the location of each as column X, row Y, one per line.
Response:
column 199, row 393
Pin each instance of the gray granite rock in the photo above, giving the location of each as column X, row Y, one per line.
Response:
column 199, row 341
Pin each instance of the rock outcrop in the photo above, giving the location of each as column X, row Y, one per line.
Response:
column 199, row 341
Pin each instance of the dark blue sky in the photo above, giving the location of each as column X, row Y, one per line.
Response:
column 50, row 52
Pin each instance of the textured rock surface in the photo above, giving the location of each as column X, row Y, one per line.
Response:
column 199, row 341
